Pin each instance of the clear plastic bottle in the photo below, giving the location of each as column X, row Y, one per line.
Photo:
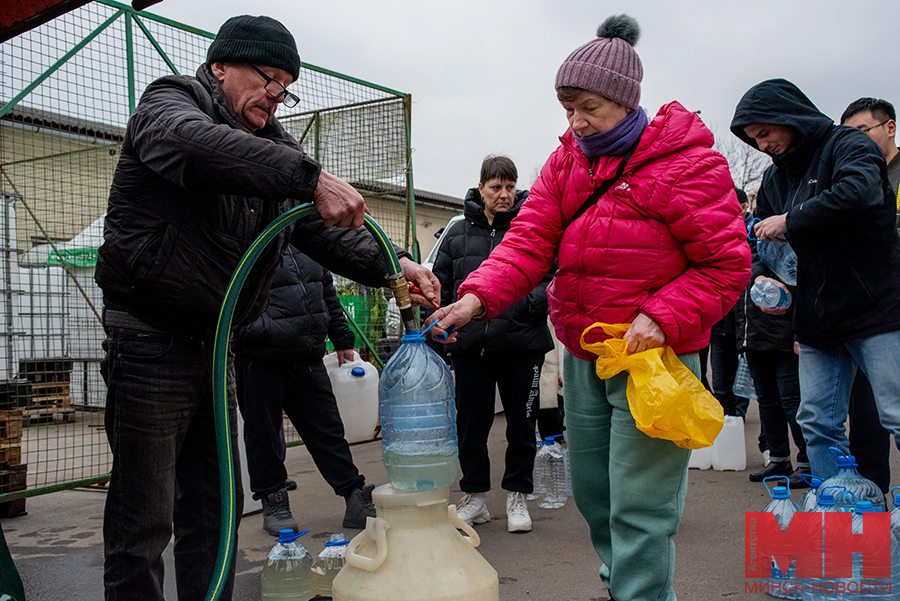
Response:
column 328, row 564
column 551, row 467
column 814, row 588
column 895, row 513
column 418, row 417
column 808, row 500
column 851, row 480
column 286, row 575
column 783, row 582
column 743, row 381
column 780, row 258
column 534, row 476
column 769, row 295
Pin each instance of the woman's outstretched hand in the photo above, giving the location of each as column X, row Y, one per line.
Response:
column 456, row 315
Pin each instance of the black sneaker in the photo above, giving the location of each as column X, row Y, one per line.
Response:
column 775, row 468
column 277, row 513
column 359, row 507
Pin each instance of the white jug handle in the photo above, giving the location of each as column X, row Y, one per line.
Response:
column 472, row 538
column 375, row 531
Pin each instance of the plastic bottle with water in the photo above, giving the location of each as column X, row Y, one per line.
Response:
column 551, row 474
column 766, row 294
column 851, row 480
column 813, row 589
column 783, row 581
column 859, row 587
column 808, row 500
column 328, row 564
column 780, row 258
column 418, row 417
column 895, row 513
column 743, row 381
column 286, row 575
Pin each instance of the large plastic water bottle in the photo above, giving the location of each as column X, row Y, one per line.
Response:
column 418, row 417
column 847, row 477
column 879, row 589
column 780, row 258
column 895, row 513
column 286, row 575
column 808, row 500
column 328, row 564
column 783, row 581
column 813, row 589
column 767, row 294
column 551, row 474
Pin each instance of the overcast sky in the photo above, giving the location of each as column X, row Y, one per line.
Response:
column 481, row 72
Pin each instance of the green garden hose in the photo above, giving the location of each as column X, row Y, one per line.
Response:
column 229, row 514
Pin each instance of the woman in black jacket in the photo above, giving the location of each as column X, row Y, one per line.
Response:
column 504, row 353
column 278, row 367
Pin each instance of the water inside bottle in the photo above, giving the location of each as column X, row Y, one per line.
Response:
column 421, row 471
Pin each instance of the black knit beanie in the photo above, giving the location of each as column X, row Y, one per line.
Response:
column 257, row 41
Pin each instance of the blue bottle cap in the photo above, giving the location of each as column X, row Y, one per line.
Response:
column 357, row 372
column 337, row 543
column 863, row 506
column 780, row 492
column 826, row 498
column 847, row 461
column 288, row 536
column 412, row 336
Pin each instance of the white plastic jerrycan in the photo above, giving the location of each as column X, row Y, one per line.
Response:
column 729, row 451
column 355, row 385
column 413, row 552
column 701, row 458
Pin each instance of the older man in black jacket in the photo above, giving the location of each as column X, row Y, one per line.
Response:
column 827, row 193
column 204, row 168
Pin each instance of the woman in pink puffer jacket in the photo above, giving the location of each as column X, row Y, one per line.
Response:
column 664, row 249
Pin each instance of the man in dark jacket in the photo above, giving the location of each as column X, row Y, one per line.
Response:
column 827, row 193
column 204, row 168
column 278, row 367
column 504, row 353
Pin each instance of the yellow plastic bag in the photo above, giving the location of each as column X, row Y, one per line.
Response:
column 665, row 398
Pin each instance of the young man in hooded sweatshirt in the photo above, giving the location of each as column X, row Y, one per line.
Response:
column 827, row 193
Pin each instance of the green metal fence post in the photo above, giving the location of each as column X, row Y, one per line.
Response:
column 129, row 59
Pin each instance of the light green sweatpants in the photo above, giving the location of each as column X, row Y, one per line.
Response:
column 629, row 487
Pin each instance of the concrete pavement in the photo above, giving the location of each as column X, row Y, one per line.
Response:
column 59, row 552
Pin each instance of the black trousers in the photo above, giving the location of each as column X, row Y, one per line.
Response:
column 870, row 442
column 517, row 376
column 303, row 390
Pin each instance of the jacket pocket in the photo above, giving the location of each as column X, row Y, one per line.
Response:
column 153, row 258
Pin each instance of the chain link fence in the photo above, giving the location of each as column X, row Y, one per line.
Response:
column 66, row 90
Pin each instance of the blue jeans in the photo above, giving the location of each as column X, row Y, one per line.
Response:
column 826, row 379
column 159, row 421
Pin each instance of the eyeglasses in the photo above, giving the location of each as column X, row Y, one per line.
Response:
column 864, row 130
column 276, row 90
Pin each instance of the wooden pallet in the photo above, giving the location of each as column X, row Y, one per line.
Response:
column 51, row 393
column 10, row 424
column 43, row 415
column 10, row 454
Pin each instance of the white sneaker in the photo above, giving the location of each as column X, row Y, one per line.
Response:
column 472, row 510
column 517, row 517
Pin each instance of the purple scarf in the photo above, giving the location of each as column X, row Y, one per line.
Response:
column 617, row 140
